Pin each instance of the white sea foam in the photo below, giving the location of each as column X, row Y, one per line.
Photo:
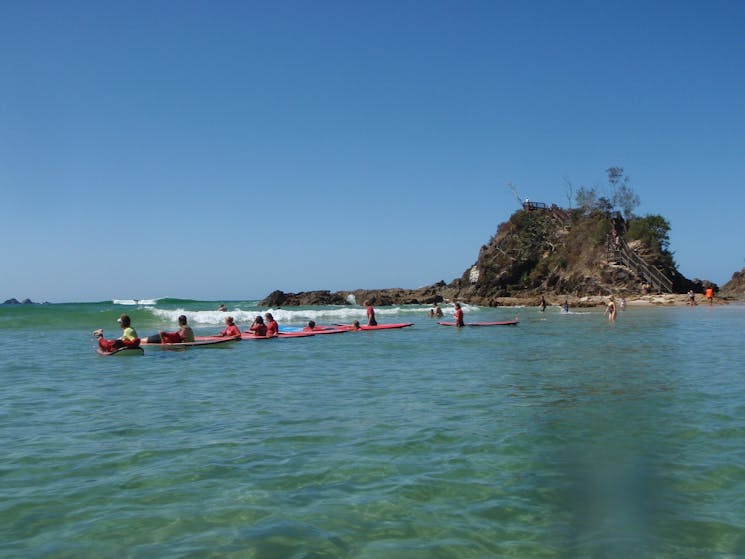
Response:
column 321, row 315
column 135, row 301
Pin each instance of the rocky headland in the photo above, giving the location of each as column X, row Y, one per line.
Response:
column 582, row 256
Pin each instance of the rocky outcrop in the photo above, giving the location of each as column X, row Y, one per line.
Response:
column 735, row 287
column 539, row 251
column 15, row 301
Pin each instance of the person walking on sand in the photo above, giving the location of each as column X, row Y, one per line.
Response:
column 710, row 294
column 610, row 310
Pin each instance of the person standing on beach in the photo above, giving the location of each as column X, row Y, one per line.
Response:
column 127, row 339
column 542, row 304
column 459, row 316
column 710, row 294
column 611, row 310
column 370, row 314
column 691, row 297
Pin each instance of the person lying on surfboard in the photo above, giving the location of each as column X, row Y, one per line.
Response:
column 184, row 334
column 231, row 330
column 127, row 339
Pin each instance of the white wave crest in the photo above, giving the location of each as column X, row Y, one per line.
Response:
column 284, row 316
column 134, row 301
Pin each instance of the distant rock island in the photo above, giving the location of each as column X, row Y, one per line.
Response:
column 24, row 302
column 600, row 248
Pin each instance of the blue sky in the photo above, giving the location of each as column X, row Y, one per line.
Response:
column 221, row 150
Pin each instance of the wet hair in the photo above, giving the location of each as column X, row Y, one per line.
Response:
column 229, row 320
column 312, row 323
column 125, row 320
column 182, row 319
column 269, row 316
column 259, row 320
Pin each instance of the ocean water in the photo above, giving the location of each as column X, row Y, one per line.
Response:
column 565, row 436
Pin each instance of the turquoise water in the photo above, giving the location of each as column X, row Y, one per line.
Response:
column 565, row 436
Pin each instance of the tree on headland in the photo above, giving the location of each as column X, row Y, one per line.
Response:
column 622, row 195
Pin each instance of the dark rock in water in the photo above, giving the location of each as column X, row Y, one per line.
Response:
column 15, row 301
column 280, row 298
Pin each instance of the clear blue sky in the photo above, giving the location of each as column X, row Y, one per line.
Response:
column 221, row 150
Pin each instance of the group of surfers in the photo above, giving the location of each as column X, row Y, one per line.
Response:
column 265, row 327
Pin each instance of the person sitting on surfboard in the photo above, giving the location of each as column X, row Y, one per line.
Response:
column 272, row 328
column 127, row 339
column 458, row 316
column 184, row 334
column 258, row 328
column 231, row 329
column 370, row 314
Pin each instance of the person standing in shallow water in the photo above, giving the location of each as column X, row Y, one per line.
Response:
column 610, row 310
column 370, row 314
column 459, row 316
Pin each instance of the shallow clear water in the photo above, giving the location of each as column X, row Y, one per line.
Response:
column 565, row 436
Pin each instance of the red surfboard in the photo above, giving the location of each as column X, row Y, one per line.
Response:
column 503, row 323
column 121, row 351
column 378, row 327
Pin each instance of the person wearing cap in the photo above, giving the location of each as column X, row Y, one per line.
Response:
column 128, row 338
column 231, row 329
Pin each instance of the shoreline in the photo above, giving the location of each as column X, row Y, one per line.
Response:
column 650, row 300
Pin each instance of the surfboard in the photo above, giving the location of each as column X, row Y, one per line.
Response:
column 503, row 323
column 250, row 336
column 121, row 351
column 378, row 327
column 327, row 330
column 199, row 341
